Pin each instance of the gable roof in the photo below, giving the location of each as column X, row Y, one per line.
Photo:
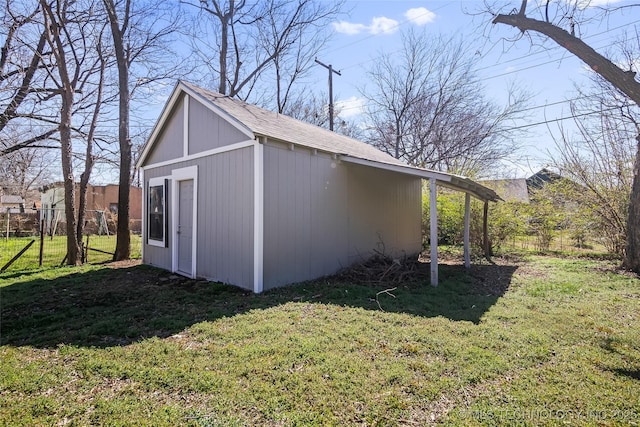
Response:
column 11, row 199
column 287, row 129
column 255, row 121
column 541, row 178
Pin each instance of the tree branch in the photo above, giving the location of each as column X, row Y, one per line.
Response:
column 623, row 80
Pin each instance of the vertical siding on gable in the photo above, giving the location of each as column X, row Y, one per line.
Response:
column 208, row 130
column 170, row 142
column 225, row 218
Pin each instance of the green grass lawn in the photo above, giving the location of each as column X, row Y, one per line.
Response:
column 55, row 249
column 535, row 341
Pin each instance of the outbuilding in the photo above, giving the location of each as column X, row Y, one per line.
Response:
column 245, row 196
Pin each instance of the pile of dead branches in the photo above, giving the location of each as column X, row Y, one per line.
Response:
column 385, row 269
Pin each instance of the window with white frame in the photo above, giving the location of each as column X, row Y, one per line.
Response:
column 157, row 221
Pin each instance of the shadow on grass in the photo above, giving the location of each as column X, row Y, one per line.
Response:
column 634, row 374
column 117, row 306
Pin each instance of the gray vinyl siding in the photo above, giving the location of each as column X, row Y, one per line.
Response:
column 224, row 218
column 207, row 130
column 321, row 215
column 304, row 201
column 385, row 210
column 170, row 142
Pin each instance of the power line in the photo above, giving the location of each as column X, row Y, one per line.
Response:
column 557, row 47
column 547, row 51
column 559, row 119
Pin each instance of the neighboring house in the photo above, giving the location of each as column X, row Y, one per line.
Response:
column 12, row 204
column 101, row 200
column 521, row 189
column 241, row 195
column 542, row 178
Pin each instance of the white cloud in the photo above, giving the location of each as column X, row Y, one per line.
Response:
column 349, row 28
column 350, row 107
column 383, row 25
column 420, row 16
column 583, row 4
column 378, row 25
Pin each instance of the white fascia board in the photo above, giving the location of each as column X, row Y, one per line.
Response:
column 454, row 182
column 175, row 95
column 173, row 99
column 407, row 170
column 144, row 216
column 213, row 151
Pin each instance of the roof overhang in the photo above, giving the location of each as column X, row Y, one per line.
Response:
column 454, row 182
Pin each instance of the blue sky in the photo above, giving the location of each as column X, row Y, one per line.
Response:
column 547, row 71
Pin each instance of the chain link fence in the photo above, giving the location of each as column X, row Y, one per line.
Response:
column 37, row 238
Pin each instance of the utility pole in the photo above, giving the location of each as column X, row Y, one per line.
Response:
column 331, row 71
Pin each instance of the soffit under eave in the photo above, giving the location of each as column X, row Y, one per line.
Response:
column 444, row 179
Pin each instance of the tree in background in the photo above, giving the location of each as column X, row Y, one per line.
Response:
column 426, row 106
column 24, row 169
column 24, row 65
column 240, row 44
column 555, row 18
column 74, row 35
column 599, row 159
column 508, row 220
column 139, row 31
column 313, row 109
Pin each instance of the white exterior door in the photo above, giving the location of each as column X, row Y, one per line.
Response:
column 184, row 230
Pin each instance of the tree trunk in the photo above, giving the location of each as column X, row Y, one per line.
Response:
column 632, row 252
column 224, row 48
column 67, row 91
column 123, row 238
column 73, row 248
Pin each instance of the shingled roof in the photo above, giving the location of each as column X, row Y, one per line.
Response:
column 287, row 129
column 256, row 121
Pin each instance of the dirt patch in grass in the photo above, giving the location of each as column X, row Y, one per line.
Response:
column 123, row 264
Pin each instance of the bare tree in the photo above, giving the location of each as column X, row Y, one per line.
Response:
column 599, row 159
column 248, row 38
column 24, row 169
column 428, row 108
column 138, row 34
column 23, row 67
column 554, row 18
column 310, row 108
column 67, row 80
column 119, row 22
